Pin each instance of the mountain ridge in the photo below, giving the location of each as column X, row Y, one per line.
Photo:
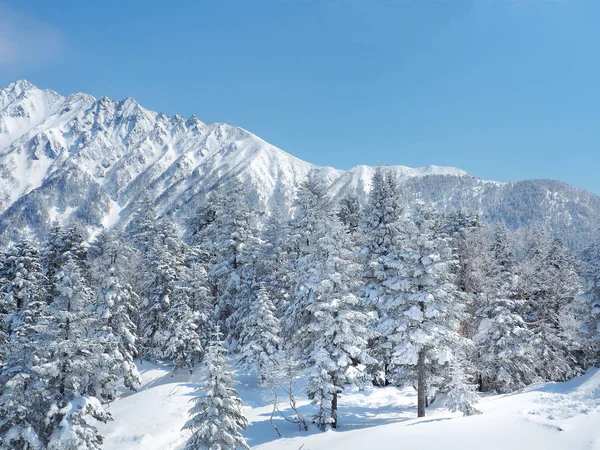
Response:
column 88, row 159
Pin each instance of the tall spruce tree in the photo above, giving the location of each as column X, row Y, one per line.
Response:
column 235, row 243
column 306, row 228
column 336, row 329
column 64, row 244
column 183, row 344
column 116, row 302
column 163, row 265
column 22, row 281
column 23, row 399
column 423, row 307
column 380, row 243
column 591, row 275
column 274, row 271
column 260, row 337
column 548, row 286
column 77, row 366
column 217, row 417
column 349, row 213
column 504, row 343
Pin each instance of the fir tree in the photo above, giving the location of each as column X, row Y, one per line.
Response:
column 217, row 417
column 307, row 227
column 116, row 302
column 233, row 266
column 76, row 366
column 323, row 317
column 163, row 263
column 142, row 227
column 460, row 394
column 63, row 245
column 380, row 241
column 349, row 213
column 5, row 309
column 197, row 287
column 23, row 283
column 274, row 271
column 548, row 286
column 591, row 275
column 337, row 330
column 23, row 398
column 423, row 307
column 115, row 305
column 260, row 337
column 183, row 345
column 505, row 345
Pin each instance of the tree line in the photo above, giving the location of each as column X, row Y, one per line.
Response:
column 342, row 293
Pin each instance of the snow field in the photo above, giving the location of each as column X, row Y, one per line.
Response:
column 549, row 416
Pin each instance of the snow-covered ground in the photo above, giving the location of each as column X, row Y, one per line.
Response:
column 552, row 416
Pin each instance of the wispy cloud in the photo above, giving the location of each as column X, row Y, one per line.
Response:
column 26, row 41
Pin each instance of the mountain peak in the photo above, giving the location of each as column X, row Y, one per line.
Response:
column 108, row 154
column 13, row 91
column 22, row 85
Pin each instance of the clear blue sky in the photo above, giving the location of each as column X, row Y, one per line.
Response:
column 506, row 90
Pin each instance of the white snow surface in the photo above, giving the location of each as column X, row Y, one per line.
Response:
column 550, row 416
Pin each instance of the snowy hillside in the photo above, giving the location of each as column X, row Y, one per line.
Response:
column 552, row 416
column 78, row 158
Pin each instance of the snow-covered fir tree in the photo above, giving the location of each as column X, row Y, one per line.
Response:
column 460, row 395
column 380, row 244
column 591, row 308
column 349, row 212
column 197, row 288
column 274, row 271
column 216, row 417
column 549, row 285
column 199, row 229
column 162, row 265
column 306, row 228
column 64, row 244
column 5, row 308
column 76, row 367
column 183, row 343
column 260, row 337
column 382, row 216
column 116, row 302
column 505, row 355
column 22, row 281
column 331, row 327
column 423, row 307
column 234, row 246
column 142, row 227
column 23, row 400
column 469, row 237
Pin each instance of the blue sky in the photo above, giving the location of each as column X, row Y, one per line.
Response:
column 506, row 90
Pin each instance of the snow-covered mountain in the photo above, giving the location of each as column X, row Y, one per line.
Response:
column 89, row 160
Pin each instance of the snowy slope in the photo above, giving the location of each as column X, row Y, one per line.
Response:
column 78, row 158
column 555, row 416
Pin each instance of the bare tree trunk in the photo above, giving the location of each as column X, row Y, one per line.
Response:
column 275, row 403
column 334, row 407
column 422, row 385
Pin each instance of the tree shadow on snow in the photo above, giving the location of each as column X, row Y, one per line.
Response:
column 351, row 417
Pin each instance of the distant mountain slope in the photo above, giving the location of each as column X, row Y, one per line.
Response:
column 85, row 159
